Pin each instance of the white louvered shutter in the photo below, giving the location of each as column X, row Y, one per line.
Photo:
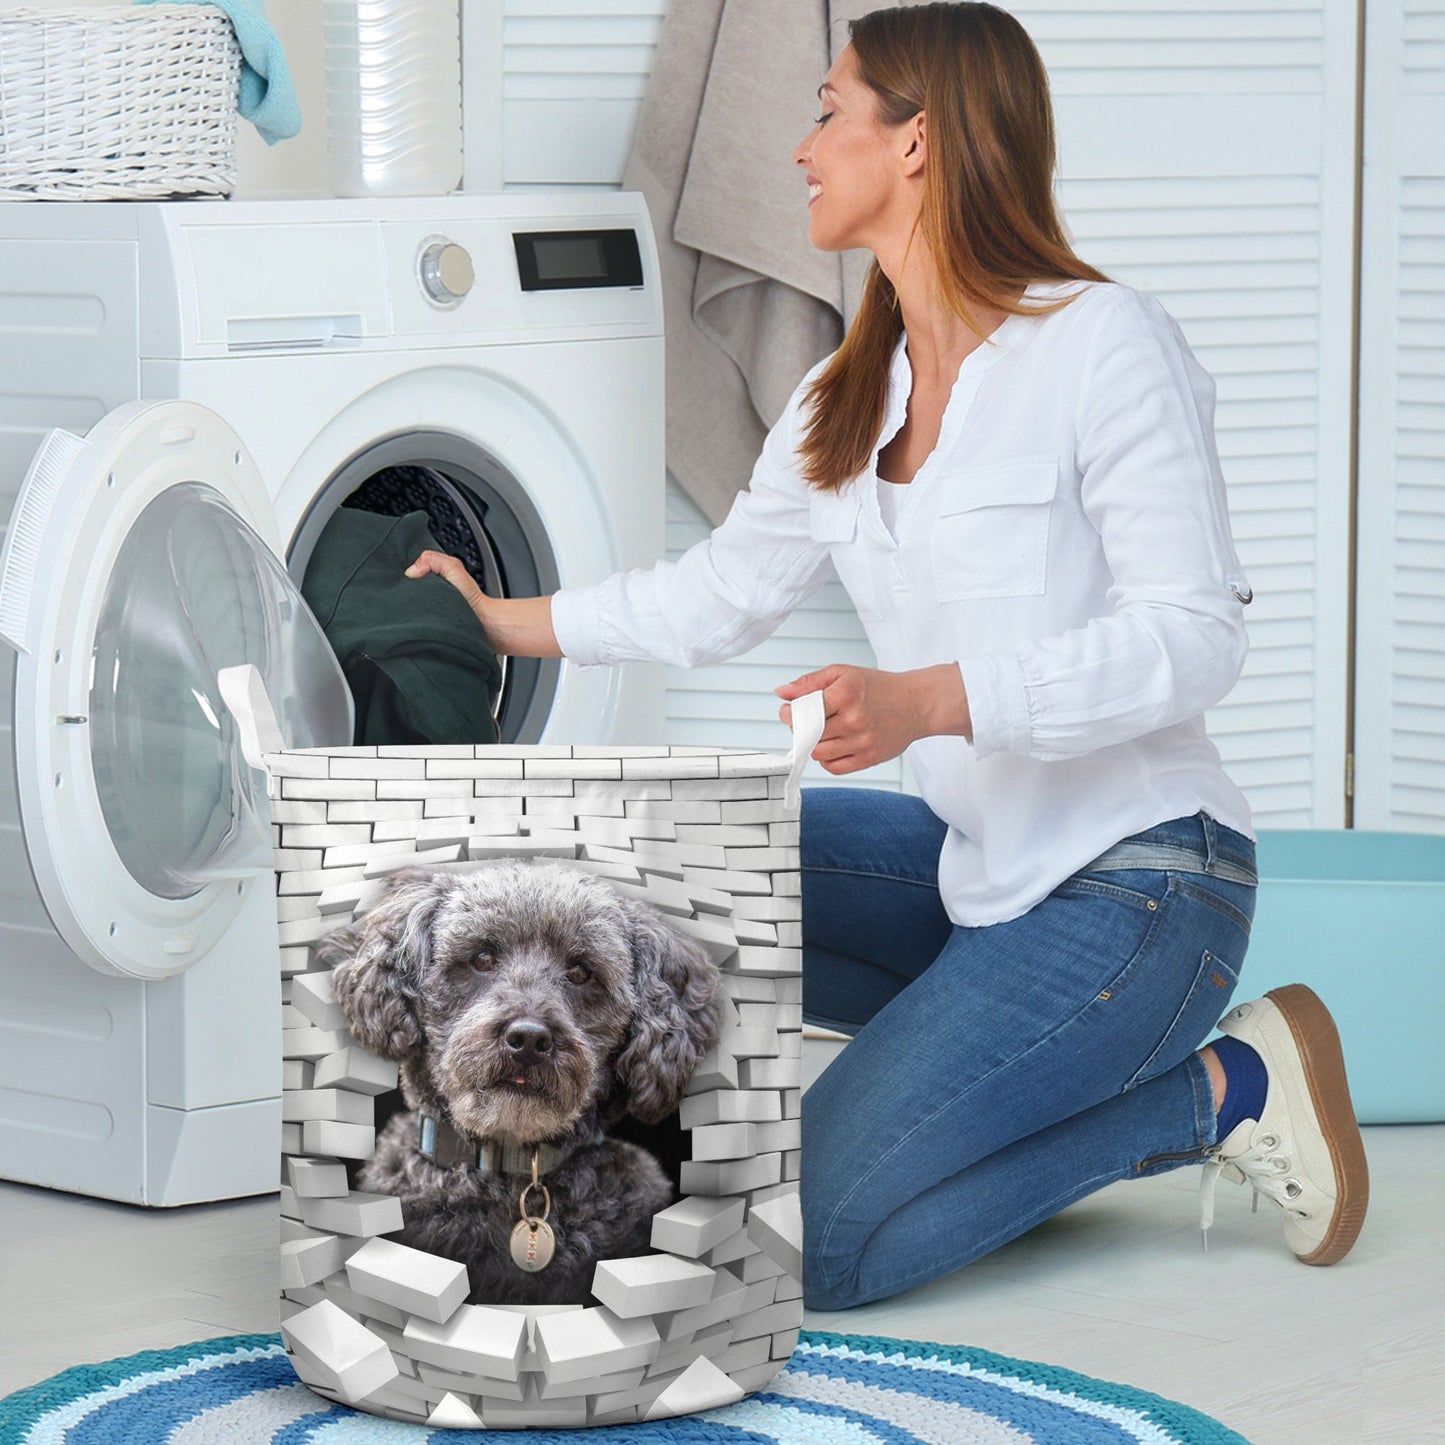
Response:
column 572, row 72
column 1206, row 156
column 1400, row 599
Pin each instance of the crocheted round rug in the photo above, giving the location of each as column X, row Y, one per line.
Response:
column 837, row 1390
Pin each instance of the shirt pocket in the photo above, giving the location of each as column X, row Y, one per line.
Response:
column 992, row 535
column 833, row 520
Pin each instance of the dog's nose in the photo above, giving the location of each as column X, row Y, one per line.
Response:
column 528, row 1038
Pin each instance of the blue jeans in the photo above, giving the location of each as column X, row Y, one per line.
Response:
column 998, row 1074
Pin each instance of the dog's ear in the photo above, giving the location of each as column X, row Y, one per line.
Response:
column 378, row 964
column 676, row 1019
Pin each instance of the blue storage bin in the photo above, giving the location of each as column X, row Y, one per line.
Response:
column 1360, row 918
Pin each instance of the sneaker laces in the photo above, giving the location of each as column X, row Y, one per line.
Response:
column 1262, row 1167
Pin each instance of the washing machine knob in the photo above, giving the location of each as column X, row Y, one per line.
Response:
column 447, row 273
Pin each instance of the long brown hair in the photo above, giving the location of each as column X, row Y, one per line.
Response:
column 988, row 212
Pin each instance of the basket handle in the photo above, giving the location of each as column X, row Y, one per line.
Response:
column 808, row 722
column 244, row 693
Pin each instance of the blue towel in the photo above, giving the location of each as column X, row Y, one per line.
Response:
column 268, row 95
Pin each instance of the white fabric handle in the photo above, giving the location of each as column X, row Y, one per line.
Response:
column 808, row 723
column 244, row 694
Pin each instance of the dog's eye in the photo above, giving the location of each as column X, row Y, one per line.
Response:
column 483, row 963
column 578, row 972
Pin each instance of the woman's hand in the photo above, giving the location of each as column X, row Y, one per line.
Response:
column 443, row 564
column 873, row 716
column 515, row 626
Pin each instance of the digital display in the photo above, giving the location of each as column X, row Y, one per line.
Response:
column 570, row 258
column 563, row 260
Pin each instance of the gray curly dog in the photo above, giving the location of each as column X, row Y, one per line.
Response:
column 527, row 1005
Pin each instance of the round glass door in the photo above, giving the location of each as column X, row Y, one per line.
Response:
column 141, row 560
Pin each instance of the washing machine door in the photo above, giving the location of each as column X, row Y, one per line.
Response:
column 141, row 560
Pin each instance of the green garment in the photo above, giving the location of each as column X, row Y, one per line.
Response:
column 415, row 657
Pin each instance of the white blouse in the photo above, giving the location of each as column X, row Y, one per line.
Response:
column 1066, row 544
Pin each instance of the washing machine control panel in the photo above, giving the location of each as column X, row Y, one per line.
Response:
column 447, row 273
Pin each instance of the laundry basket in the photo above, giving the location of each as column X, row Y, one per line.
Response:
column 711, row 1310
column 117, row 103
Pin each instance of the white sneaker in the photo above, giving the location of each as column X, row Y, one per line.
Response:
column 1306, row 1153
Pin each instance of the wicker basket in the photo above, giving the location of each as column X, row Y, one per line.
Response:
column 117, row 104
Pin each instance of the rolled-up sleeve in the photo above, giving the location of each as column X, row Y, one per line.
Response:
column 1173, row 642
column 722, row 596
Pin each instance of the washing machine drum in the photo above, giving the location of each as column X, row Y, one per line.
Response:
column 419, row 667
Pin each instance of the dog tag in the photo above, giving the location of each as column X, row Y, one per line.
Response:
column 533, row 1245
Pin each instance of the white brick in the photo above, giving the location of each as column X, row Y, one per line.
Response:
column 297, row 1074
column 381, row 866
column 702, row 1386
column 302, row 1105
column 343, row 1352
column 770, row 962
column 343, row 898
column 473, row 1384
column 774, row 909
column 734, row 1247
column 297, row 764
column 718, row 940
column 731, row 882
column 285, row 810
column 317, row 1178
column 312, row 1043
column 370, row 1311
column 715, row 1070
column 721, row 790
column 481, row 847
column 729, row 1296
column 730, row 1106
column 315, row 996
column 308, row 1261
column 371, row 810
column 357, row 1069
column 474, row 768
column 695, row 1224
column 734, row 1176
column 477, row 1339
column 453, row 1413
column 749, row 1043
column 692, row 811
column 669, row 768
column 649, row 1283
column 306, row 930
column 535, row 1415
column 409, row 1279
column 725, row 835
column 723, row 1141
column 763, row 810
column 656, row 858
column 324, row 835
column 360, row 767
column 574, row 768
column 770, row 1073
column 358, row 1213
column 779, row 1137
column 344, row 1141
column 611, row 1384
column 582, row 1343
column 290, row 1138
column 354, row 790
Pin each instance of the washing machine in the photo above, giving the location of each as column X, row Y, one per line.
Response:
column 188, row 392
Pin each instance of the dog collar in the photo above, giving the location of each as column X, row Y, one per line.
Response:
column 444, row 1144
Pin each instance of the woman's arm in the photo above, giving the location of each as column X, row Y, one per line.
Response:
column 515, row 626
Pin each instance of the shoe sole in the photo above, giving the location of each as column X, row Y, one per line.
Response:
column 1318, row 1042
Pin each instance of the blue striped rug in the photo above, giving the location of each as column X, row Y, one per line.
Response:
column 837, row 1390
